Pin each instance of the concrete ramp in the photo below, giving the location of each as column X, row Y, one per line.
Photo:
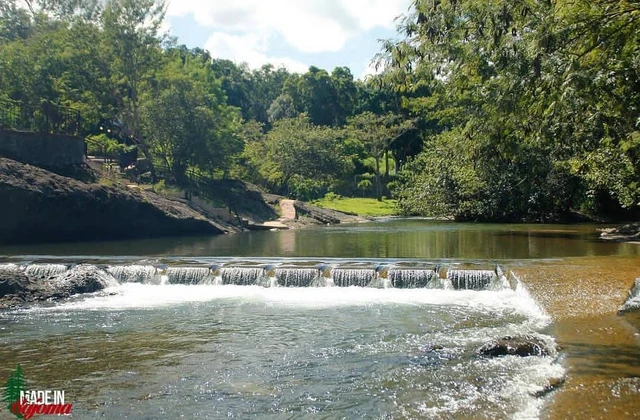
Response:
column 288, row 210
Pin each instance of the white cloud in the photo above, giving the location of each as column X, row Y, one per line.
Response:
column 249, row 49
column 309, row 26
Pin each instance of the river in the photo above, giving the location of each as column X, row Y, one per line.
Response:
column 181, row 334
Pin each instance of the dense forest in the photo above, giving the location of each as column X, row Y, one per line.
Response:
column 482, row 110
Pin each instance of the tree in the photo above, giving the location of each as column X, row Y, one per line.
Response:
column 132, row 39
column 15, row 22
column 377, row 132
column 187, row 121
column 282, row 107
column 300, row 158
column 346, row 94
column 539, row 98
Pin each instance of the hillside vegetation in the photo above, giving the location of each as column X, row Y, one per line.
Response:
column 501, row 111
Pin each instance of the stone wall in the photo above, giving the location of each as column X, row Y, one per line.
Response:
column 42, row 149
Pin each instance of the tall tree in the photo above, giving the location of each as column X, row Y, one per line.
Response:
column 300, row 158
column 377, row 133
column 187, row 121
column 131, row 36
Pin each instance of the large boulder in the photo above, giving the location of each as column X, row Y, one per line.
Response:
column 517, row 346
column 84, row 278
column 17, row 289
column 15, row 286
column 325, row 216
column 629, row 232
column 633, row 300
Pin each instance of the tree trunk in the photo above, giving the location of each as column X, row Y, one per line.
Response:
column 386, row 161
column 378, row 181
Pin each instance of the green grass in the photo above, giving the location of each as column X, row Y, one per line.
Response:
column 359, row 206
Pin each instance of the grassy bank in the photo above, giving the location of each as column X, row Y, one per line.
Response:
column 359, row 206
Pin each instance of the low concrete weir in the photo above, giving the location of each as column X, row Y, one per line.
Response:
column 396, row 274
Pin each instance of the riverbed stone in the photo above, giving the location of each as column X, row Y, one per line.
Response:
column 527, row 345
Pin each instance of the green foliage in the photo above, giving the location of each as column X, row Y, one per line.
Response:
column 187, row 120
column 299, row 158
column 537, row 104
column 331, row 196
column 102, row 145
column 377, row 133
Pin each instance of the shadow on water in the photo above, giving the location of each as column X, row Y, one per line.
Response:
column 608, row 360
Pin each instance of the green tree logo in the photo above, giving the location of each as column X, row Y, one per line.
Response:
column 12, row 388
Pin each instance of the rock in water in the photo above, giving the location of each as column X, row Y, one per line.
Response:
column 633, row 300
column 16, row 288
column 13, row 282
column 517, row 346
column 84, row 278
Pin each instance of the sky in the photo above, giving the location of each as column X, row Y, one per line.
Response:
column 293, row 33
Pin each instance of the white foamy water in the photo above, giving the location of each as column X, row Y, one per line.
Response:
column 139, row 296
column 273, row 352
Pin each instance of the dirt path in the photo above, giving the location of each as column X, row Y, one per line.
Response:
column 288, row 210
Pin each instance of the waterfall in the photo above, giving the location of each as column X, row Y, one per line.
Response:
column 296, row 277
column 471, row 279
column 345, row 277
column 134, row 273
column 374, row 274
column 244, row 276
column 189, row 275
column 45, row 271
column 405, row 278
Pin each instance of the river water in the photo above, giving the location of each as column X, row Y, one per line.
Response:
column 191, row 327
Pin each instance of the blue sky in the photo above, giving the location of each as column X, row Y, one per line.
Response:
column 293, row 33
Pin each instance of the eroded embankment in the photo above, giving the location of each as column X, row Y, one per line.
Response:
column 601, row 347
column 41, row 206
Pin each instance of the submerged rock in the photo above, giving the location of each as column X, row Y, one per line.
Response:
column 517, row 346
column 633, row 300
column 551, row 386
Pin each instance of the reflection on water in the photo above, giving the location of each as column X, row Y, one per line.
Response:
column 386, row 239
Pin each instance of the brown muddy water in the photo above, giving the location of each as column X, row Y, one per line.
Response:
column 153, row 348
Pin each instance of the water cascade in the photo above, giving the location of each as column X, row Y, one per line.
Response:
column 345, row 277
column 408, row 278
column 134, row 273
column 296, row 277
column 403, row 275
column 189, row 275
column 244, row 276
column 45, row 271
column 471, row 279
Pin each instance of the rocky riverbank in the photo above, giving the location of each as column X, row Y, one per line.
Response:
column 41, row 206
column 627, row 233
